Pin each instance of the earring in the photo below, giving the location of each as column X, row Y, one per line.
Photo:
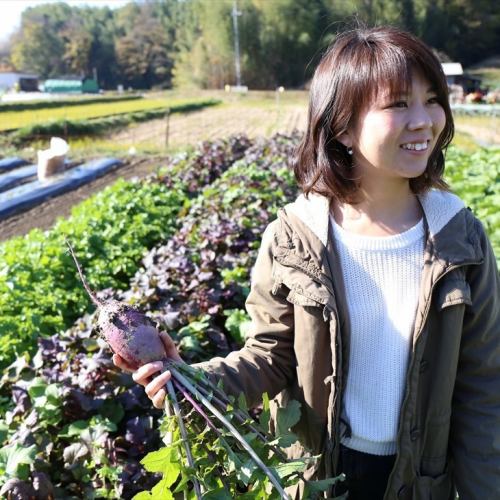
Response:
column 349, row 151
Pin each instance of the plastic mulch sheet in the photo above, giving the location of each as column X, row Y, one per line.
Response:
column 11, row 163
column 33, row 193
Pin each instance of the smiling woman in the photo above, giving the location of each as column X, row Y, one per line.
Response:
column 375, row 297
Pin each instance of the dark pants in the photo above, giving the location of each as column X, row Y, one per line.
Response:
column 366, row 475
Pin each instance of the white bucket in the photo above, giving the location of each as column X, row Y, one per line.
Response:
column 51, row 161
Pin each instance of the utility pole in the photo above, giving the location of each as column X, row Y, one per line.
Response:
column 235, row 15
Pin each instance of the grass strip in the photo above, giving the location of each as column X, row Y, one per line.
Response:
column 102, row 125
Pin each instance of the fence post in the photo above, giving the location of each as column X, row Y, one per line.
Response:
column 167, row 130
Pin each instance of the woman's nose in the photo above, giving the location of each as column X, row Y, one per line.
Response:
column 420, row 118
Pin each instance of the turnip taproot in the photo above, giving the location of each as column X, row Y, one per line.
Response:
column 129, row 332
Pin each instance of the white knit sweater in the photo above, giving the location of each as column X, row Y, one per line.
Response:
column 382, row 280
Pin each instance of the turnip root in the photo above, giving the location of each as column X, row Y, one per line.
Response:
column 129, row 332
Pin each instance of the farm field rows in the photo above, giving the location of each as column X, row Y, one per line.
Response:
column 217, row 122
column 81, row 409
column 193, row 282
column 16, row 119
column 258, row 114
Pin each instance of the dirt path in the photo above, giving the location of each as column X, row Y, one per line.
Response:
column 481, row 135
column 217, row 122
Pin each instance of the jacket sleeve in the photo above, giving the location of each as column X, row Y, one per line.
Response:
column 266, row 363
column 475, row 421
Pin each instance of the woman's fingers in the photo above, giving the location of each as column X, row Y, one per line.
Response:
column 144, row 372
column 157, row 384
column 159, row 399
column 170, row 348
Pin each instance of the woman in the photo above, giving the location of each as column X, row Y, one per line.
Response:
column 375, row 296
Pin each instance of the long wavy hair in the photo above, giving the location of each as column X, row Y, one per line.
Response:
column 353, row 69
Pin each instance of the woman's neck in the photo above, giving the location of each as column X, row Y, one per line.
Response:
column 382, row 211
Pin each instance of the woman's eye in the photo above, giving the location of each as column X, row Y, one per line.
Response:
column 433, row 100
column 399, row 104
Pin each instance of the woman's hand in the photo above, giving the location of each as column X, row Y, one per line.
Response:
column 154, row 386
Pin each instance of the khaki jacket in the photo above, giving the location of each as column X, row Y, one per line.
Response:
column 449, row 426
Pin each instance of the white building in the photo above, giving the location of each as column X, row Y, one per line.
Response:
column 27, row 82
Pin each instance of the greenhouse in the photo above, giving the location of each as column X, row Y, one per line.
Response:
column 86, row 85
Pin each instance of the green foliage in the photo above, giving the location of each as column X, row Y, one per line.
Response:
column 237, row 324
column 476, row 179
column 40, row 292
column 76, row 101
column 15, row 460
column 222, row 467
column 191, row 42
column 46, row 400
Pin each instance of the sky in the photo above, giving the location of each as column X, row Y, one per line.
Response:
column 11, row 10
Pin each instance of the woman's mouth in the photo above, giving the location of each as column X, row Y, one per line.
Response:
column 415, row 147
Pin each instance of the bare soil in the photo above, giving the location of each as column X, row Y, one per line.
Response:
column 215, row 123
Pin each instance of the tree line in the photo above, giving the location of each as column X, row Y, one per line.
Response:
column 190, row 43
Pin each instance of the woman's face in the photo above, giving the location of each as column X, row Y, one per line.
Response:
column 395, row 137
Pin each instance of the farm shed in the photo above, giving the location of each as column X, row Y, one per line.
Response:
column 27, row 82
column 78, row 86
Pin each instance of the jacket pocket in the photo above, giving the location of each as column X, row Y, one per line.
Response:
column 433, row 488
column 435, row 446
column 453, row 291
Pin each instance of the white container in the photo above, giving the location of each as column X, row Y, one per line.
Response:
column 51, row 161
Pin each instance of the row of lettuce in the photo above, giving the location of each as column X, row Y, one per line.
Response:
column 75, row 427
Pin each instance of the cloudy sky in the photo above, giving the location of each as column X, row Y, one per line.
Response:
column 11, row 10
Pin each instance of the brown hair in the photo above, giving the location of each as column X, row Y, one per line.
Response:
column 346, row 79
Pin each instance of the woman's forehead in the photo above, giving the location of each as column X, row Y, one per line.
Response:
column 402, row 87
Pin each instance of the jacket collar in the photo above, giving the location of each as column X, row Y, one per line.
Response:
column 450, row 226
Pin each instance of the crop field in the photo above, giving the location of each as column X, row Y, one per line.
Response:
column 214, row 123
column 255, row 114
column 10, row 120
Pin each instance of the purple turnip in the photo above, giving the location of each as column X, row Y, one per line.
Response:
column 129, row 332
